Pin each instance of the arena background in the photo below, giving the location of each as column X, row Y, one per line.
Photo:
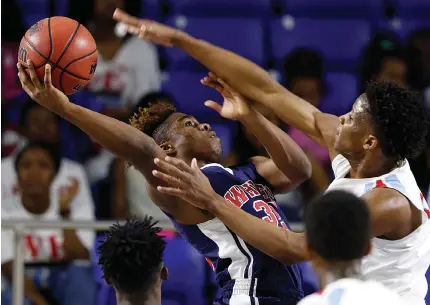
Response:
column 323, row 50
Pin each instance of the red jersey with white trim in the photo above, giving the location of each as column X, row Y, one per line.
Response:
column 353, row 292
column 399, row 264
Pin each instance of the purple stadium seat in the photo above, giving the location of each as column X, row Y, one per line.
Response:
column 33, row 10
column 151, row 9
column 241, row 35
column 340, row 41
column 362, row 9
column 186, row 267
column 427, row 300
column 413, row 9
column 244, row 8
column 341, row 93
column 404, row 27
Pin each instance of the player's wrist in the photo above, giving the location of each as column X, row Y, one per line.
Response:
column 215, row 204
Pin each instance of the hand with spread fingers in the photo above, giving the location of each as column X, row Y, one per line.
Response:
column 148, row 29
column 44, row 93
column 234, row 107
column 185, row 182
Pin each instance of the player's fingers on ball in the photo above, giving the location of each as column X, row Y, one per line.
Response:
column 167, row 178
column 47, row 79
column 170, row 169
column 23, row 78
column 33, row 76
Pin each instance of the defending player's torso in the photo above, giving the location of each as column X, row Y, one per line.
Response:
column 243, row 272
column 400, row 264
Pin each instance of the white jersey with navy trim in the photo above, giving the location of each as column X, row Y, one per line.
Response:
column 350, row 291
column 399, row 264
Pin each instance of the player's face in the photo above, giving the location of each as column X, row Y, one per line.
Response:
column 35, row 172
column 41, row 125
column 104, row 8
column 353, row 134
column 191, row 138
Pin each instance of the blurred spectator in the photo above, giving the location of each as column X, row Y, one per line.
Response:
column 384, row 59
column 125, row 188
column 39, row 124
column 304, row 71
column 127, row 66
column 36, row 166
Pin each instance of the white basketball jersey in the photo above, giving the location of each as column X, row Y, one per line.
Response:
column 354, row 292
column 399, row 264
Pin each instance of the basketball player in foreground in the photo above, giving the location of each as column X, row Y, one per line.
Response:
column 368, row 147
column 131, row 258
column 245, row 275
column 338, row 238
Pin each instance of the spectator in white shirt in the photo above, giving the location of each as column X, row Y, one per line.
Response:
column 39, row 124
column 71, row 283
column 127, row 67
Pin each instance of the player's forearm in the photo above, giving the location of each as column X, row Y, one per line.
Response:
column 285, row 153
column 122, row 139
column 285, row 246
column 252, row 81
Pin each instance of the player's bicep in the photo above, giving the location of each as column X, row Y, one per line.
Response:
column 267, row 169
column 145, row 163
column 387, row 209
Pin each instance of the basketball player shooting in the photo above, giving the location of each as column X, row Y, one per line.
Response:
column 245, row 275
column 369, row 147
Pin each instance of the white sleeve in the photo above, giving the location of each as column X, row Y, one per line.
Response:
column 147, row 71
column 6, row 238
column 82, row 208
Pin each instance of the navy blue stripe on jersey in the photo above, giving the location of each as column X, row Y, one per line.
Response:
column 236, row 240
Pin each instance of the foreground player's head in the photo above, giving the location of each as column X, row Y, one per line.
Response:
column 337, row 231
column 131, row 258
column 386, row 123
column 178, row 134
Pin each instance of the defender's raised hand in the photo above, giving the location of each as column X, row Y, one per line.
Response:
column 44, row 93
column 185, row 182
column 234, row 107
column 148, row 29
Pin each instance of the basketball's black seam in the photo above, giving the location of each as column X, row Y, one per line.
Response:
column 71, row 62
column 47, row 60
column 37, row 51
column 68, row 44
column 51, row 45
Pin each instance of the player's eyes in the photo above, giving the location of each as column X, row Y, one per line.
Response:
column 189, row 123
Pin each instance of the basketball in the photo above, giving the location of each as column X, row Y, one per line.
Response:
column 67, row 46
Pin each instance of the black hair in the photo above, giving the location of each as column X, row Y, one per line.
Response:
column 304, row 62
column 338, row 226
column 400, row 119
column 150, row 98
column 52, row 149
column 25, row 110
column 152, row 120
column 131, row 256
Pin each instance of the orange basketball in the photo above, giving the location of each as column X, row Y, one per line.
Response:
column 64, row 44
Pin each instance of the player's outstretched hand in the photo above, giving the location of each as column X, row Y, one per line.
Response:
column 43, row 93
column 234, row 107
column 186, row 182
column 148, row 29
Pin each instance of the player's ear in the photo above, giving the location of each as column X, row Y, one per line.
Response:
column 164, row 273
column 168, row 148
column 370, row 142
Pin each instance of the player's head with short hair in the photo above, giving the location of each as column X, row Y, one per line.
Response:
column 337, row 228
column 131, row 258
column 387, row 121
column 38, row 123
column 178, row 134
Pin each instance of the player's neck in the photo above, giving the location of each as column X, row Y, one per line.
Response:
column 339, row 270
column 366, row 167
column 152, row 299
